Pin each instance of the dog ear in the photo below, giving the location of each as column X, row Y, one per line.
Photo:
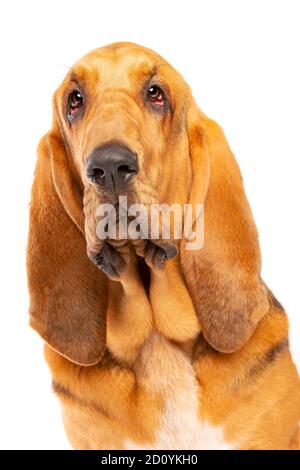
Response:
column 68, row 294
column 223, row 277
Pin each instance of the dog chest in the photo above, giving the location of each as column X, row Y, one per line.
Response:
column 166, row 371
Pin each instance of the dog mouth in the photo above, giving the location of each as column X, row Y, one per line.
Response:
column 112, row 223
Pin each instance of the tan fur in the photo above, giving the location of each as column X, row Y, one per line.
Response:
column 198, row 360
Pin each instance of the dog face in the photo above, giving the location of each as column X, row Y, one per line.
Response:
column 123, row 111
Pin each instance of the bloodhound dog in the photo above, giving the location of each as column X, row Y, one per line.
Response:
column 152, row 345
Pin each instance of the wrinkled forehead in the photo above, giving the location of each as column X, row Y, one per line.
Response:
column 122, row 65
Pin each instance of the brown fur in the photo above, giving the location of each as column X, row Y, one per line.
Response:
column 210, row 305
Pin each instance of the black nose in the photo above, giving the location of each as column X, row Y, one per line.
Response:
column 112, row 166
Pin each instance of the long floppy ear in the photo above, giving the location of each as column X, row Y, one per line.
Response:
column 223, row 277
column 68, row 297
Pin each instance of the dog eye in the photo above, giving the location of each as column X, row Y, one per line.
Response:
column 156, row 95
column 75, row 103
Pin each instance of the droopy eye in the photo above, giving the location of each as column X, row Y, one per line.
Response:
column 156, row 95
column 75, row 103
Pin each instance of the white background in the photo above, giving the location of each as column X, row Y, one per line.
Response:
column 241, row 59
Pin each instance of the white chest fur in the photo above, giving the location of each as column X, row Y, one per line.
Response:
column 165, row 370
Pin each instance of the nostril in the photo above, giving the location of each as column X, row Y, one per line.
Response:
column 123, row 168
column 96, row 174
column 126, row 172
column 99, row 172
